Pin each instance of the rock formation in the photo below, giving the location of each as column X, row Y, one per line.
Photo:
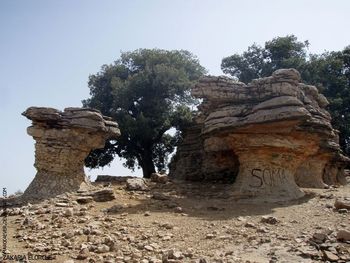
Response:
column 63, row 141
column 266, row 137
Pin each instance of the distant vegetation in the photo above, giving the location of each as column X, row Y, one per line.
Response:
column 329, row 71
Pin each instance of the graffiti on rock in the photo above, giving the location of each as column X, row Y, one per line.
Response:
column 268, row 177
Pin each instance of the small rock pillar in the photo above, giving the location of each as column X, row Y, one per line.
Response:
column 63, row 141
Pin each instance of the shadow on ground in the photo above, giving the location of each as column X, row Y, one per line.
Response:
column 202, row 200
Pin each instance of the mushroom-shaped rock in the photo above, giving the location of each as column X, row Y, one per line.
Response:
column 265, row 136
column 63, row 141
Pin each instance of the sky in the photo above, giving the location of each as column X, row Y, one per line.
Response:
column 48, row 49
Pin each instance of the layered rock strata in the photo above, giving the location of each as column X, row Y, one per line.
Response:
column 63, row 141
column 266, row 137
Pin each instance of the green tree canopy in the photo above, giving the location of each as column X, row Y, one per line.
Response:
column 147, row 92
column 329, row 71
column 257, row 62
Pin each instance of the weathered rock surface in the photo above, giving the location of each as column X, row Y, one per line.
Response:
column 136, row 184
column 103, row 195
column 268, row 137
column 159, row 178
column 63, row 141
column 342, row 204
column 343, row 235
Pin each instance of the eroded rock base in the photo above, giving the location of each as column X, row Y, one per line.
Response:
column 63, row 141
column 270, row 137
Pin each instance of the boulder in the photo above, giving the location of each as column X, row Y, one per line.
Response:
column 84, row 199
column 136, row 184
column 342, row 204
column 159, row 178
column 63, row 141
column 103, row 195
column 343, row 235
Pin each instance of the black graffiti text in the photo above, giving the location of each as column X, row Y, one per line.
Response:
column 268, row 177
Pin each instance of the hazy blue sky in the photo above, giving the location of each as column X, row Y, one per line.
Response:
column 49, row 48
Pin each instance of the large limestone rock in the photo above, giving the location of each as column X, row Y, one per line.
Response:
column 268, row 137
column 63, row 141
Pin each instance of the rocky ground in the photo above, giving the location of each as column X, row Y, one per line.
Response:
column 180, row 222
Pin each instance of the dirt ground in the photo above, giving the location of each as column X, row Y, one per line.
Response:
column 181, row 222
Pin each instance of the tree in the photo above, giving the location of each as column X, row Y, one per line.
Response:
column 257, row 62
column 329, row 71
column 147, row 92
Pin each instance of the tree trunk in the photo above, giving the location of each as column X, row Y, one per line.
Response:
column 147, row 164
